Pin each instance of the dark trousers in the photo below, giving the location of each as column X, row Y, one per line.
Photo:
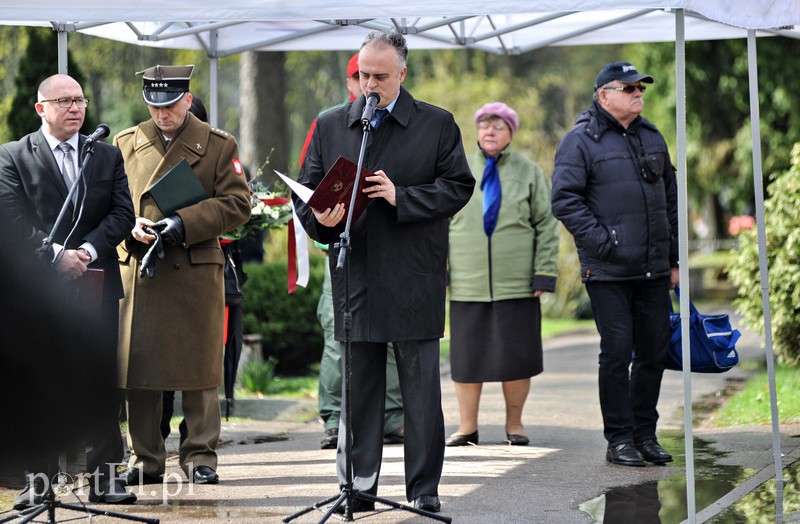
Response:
column 101, row 433
column 420, row 385
column 632, row 318
column 105, row 449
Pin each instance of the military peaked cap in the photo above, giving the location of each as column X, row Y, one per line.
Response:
column 165, row 85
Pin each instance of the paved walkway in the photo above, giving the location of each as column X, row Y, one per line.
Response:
column 274, row 467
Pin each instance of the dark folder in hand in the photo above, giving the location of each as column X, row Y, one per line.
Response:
column 177, row 189
column 337, row 186
column 88, row 289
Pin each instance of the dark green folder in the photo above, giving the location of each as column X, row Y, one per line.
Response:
column 177, row 189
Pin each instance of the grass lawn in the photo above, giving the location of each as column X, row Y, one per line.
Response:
column 751, row 405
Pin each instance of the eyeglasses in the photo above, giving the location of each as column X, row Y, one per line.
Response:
column 66, row 103
column 483, row 126
column 626, row 89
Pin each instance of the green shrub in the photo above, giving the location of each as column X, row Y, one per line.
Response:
column 288, row 325
column 257, row 375
column 782, row 211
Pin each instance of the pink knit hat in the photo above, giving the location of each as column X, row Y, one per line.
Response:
column 499, row 109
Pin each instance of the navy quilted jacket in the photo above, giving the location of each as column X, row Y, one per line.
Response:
column 614, row 190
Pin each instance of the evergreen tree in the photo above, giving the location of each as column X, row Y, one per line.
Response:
column 39, row 62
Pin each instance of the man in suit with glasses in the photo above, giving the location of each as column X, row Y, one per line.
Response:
column 36, row 174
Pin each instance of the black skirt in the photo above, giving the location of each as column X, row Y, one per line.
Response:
column 495, row 341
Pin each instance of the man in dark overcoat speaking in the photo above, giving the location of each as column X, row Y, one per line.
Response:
column 397, row 264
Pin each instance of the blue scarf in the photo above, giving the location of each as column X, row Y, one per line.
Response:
column 490, row 185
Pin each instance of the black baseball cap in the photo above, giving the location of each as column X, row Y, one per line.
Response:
column 622, row 72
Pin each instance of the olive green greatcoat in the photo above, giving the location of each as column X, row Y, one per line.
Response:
column 171, row 326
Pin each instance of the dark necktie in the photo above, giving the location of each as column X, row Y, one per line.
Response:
column 379, row 114
column 490, row 185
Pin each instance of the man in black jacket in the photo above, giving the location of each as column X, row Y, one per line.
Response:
column 36, row 174
column 614, row 189
column 396, row 269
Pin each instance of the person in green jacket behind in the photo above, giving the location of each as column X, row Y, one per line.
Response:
column 503, row 256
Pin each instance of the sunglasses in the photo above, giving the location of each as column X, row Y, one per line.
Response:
column 626, row 89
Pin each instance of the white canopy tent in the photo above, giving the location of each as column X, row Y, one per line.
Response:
column 750, row 14
column 502, row 26
column 508, row 27
column 508, row 33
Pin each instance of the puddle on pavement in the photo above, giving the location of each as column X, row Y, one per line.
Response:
column 253, row 439
column 195, row 512
column 664, row 501
column 759, row 506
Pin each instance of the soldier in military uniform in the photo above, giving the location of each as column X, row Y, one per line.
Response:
column 172, row 316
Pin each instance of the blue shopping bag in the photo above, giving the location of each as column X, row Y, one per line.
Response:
column 712, row 341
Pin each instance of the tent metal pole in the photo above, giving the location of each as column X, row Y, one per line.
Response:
column 683, row 254
column 62, row 50
column 214, row 92
column 758, row 186
column 213, row 81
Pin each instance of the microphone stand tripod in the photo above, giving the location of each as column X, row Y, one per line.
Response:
column 50, row 504
column 348, row 496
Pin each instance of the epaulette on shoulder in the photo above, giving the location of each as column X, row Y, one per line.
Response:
column 128, row 131
column 220, row 132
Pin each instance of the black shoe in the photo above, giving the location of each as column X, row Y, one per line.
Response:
column 462, row 440
column 429, row 503
column 330, row 440
column 624, row 454
column 204, row 475
column 517, row 440
column 359, row 506
column 652, row 452
column 395, row 437
column 32, row 495
column 135, row 476
column 110, row 492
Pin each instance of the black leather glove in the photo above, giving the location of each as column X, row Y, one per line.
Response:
column 171, row 230
column 156, row 250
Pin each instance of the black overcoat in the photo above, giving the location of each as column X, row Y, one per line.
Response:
column 398, row 259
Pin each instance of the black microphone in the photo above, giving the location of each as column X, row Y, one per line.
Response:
column 102, row 131
column 369, row 109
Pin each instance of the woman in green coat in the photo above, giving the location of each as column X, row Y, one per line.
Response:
column 503, row 255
